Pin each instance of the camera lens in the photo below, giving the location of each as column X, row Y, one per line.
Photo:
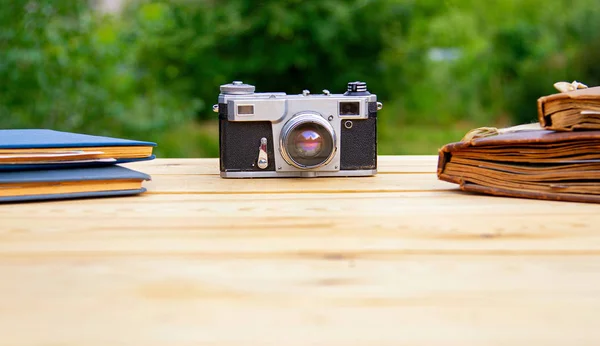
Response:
column 308, row 142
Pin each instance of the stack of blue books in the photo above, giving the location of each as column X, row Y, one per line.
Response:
column 40, row 164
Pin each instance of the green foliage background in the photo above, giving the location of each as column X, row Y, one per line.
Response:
column 152, row 70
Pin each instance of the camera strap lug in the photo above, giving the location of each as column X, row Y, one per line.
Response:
column 263, row 162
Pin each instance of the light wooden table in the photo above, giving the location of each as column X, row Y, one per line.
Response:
column 397, row 259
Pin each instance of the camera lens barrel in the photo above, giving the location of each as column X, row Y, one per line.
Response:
column 308, row 141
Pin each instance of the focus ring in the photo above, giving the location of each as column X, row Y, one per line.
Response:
column 294, row 123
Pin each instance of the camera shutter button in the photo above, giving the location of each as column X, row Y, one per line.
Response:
column 357, row 89
column 357, row 86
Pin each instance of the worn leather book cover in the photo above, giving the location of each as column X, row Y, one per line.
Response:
column 22, row 149
column 570, row 111
column 537, row 164
column 56, row 184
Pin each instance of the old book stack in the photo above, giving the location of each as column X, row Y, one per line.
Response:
column 555, row 159
column 39, row 164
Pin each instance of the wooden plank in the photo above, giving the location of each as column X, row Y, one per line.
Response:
column 387, row 225
column 213, row 184
column 210, row 166
column 414, row 300
column 201, row 176
column 400, row 258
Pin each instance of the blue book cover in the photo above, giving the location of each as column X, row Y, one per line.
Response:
column 70, row 183
column 47, row 149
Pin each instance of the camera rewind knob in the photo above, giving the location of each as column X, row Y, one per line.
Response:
column 237, row 88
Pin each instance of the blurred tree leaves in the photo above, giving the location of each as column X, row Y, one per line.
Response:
column 500, row 57
column 68, row 68
column 150, row 71
column 277, row 45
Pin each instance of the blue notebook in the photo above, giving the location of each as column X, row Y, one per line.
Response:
column 70, row 183
column 45, row 149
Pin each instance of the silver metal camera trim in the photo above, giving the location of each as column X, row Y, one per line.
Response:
column 279, row 108
column 302, row 174
column 299, row 119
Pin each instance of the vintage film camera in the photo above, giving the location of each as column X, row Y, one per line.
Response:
column 265, row 135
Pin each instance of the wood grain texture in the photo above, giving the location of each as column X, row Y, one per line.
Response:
column 397, row 259
column 387, row 164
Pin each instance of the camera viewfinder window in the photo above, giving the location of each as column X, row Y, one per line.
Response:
column 349, row 108
column 245, row 110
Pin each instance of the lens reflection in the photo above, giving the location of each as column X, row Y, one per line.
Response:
column 308, row 143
